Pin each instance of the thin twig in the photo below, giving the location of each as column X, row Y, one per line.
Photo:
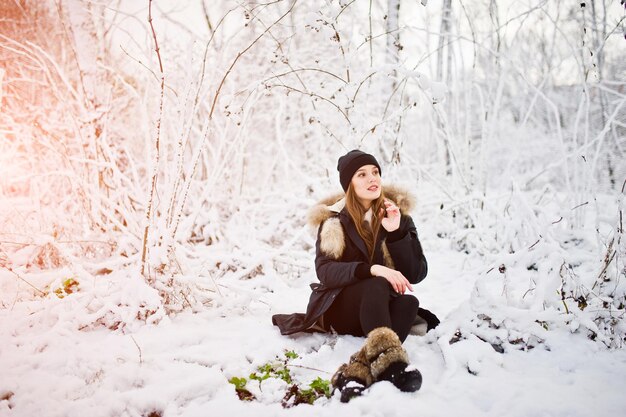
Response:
column 311, row 94
column 382, row 122
column 305, row 69
column 343, row 10
column 16, row 243
column 206, row 53
column 206, row 17
column 156, row 43
column 138, row 348
column 8, row 268
column 606, row 265
column 343, row 52
column 534, row 244
column 360, row 85
column 289, row 365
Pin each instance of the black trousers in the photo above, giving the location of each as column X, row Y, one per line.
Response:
column 360, row 308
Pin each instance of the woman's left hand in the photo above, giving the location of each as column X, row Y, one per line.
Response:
column 391, row 221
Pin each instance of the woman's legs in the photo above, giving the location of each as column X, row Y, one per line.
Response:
column 344, row 315
column 403, row 310
column 369, row 304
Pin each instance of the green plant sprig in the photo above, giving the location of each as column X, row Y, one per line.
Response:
column 279, row 369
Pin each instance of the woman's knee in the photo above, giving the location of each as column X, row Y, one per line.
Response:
column 407, row 303
column 378, row 285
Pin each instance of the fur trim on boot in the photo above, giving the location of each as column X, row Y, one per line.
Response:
column 353, row 378
column 388, row 360
column 382, row 348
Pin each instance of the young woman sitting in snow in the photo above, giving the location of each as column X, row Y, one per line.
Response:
column 367, row 256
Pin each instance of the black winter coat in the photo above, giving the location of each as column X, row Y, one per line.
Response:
column 339, row 250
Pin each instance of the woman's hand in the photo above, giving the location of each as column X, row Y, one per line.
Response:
column 398, row 282
column 391, row 222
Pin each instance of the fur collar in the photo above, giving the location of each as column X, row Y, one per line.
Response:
column 332, row 237
column 332, row 205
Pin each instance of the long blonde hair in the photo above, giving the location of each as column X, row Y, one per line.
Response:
column 357, row 214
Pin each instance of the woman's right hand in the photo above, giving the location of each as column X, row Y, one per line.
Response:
column 398, row 281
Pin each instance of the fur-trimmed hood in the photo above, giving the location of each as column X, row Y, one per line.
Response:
column 333, row 204
column 332, row 236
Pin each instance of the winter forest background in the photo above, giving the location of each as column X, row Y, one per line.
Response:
column 158, row 160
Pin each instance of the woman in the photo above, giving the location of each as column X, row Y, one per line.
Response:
column 367, row 256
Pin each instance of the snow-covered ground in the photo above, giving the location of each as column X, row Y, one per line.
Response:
column 181, row 366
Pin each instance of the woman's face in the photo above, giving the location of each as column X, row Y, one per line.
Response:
column 366, row 184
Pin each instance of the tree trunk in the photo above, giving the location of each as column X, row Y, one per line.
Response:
column 393, row 35
column 444, row 40
column 388, row 146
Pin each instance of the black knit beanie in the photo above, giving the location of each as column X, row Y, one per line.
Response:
column 350, row 163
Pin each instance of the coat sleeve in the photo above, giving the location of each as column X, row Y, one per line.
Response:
column 331, row 272
column 406, row 251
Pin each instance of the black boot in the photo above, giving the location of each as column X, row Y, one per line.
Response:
column 432, row 321
column 349, row 387
column 406, row 381
column 353, row 378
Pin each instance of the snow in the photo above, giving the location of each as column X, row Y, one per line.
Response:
column 524, row 237
column 181, row 366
